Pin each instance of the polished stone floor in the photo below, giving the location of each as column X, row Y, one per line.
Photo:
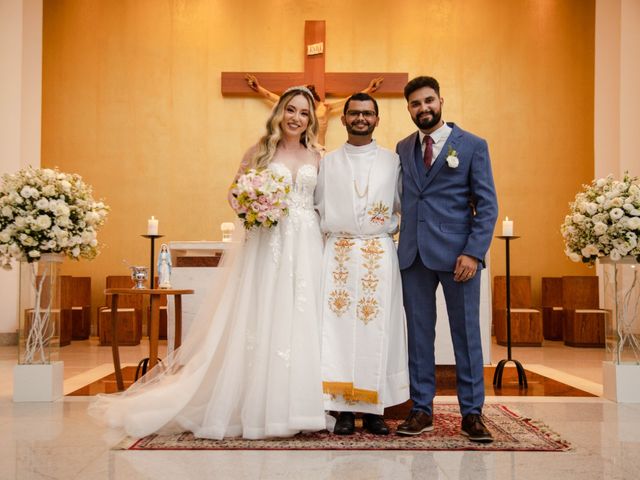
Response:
column 533, row 384
column 58, row 440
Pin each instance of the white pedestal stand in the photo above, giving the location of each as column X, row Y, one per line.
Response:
column 621, row 382
column 38, row 383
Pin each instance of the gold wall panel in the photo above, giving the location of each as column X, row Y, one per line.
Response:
column 132, row 102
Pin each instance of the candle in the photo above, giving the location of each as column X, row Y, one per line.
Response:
column 227, row 231
column 152, row 226
column 507, row 227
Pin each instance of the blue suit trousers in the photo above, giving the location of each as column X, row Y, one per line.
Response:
column 419, row 285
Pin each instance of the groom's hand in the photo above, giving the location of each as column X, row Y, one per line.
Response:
column 466, row 268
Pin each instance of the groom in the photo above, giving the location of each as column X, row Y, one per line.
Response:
column 449, row 210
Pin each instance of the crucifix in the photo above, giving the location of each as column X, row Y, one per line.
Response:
column 326, row 83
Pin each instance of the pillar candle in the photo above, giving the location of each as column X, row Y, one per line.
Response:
column 227, row 231
column 152, row 226
column 507, row 227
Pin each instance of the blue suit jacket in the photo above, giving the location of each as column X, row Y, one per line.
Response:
column 438, row 219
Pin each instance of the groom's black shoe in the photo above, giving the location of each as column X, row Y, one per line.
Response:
column 375, row 424
column 345, row 424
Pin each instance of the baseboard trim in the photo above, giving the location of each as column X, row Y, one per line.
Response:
column 10, row 338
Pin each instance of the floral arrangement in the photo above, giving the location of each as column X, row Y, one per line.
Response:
column 47, row 211
column 604, row 221
column 259, row 197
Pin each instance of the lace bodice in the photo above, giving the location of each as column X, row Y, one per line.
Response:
column 302, row 215
column 301, row 196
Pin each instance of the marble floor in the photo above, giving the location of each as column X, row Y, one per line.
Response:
column 59, row 441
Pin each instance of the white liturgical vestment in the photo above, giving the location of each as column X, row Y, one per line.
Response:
column 364, row 353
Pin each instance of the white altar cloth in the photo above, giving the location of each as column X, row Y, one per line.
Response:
column 188, row 277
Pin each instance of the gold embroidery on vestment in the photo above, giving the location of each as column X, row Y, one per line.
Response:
column 368, row 306
column 367, row 309
column 370, row 282
column 379, row 213
column 340, row 275
column 372, row 252
column 342, row 247
column 339, row 299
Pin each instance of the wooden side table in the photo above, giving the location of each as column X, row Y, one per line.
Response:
column 154, row 330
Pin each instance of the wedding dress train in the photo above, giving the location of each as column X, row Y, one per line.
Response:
column 250, row 365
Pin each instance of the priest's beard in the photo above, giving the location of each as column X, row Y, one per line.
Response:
column 351, row 130
column 424, row 123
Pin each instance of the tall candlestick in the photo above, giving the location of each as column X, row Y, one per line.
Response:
column 507, row 227
column 152, row 226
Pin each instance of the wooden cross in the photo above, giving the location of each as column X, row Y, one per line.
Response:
column 335, row 84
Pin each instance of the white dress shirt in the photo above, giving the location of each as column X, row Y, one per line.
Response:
column 439, row 138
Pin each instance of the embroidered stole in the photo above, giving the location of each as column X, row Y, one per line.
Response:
column 357, row 280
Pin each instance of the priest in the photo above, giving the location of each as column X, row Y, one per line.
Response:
column 364, row 353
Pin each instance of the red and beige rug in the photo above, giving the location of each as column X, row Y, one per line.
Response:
column 511, row 431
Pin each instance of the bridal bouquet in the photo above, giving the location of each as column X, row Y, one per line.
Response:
column 259, row 197
column 46, row 211
column 604, row 221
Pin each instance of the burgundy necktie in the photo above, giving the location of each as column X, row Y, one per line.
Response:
column 428, row 151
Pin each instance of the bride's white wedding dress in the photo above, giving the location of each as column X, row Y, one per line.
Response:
column 250, row 365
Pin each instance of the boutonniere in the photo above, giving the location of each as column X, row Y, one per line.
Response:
column 452, row 158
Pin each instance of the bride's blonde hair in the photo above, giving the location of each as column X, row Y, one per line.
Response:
column 266, row 148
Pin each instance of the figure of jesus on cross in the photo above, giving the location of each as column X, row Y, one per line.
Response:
column 323, row 109
column 340, row 84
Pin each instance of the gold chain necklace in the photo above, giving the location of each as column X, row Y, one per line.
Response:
column 363, row 194
column 355, row 183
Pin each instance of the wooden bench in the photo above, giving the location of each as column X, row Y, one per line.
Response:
column 526, row 322
column 584, row 321
column 129, row 314
column 552, row 316
column 81, row 308
column 66, row 295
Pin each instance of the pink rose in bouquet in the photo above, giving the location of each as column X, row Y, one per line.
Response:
column 259, row 197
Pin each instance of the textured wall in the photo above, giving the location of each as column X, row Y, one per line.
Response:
column 131, row 101
column 20, row 103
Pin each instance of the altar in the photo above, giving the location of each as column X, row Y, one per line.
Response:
column 196, row 266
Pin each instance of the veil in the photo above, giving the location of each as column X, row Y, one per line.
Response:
column 173, row 395
column 250, row 362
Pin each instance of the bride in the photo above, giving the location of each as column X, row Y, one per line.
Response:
column 250, row 365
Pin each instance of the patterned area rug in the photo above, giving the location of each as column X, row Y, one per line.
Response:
column 511, row 431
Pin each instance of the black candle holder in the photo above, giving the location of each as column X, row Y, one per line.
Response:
column 152, row 262
column 497, row 376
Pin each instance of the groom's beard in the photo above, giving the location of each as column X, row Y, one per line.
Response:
column 427, row 121
column 363, row 132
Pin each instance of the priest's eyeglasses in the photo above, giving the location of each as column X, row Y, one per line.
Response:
column 364, row 113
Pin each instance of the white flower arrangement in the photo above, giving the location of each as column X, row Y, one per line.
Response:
column 452, row 158
column 46, row 211
column 604, row 221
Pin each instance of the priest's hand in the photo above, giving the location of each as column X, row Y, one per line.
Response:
column 466, row 268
